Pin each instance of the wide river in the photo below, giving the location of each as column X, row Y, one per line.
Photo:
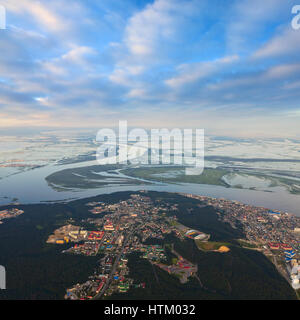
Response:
column 31, row 187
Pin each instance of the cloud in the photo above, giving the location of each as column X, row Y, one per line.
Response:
column 283, row 71
column 286, row 43
column 249, row 20
column 137, row 93
column 145, row 28
column 146, row 33
column 40, row 12
column 155, row 62
column 192, row 72
column 77, row 54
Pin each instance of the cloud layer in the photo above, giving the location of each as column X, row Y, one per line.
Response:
column 231, row 67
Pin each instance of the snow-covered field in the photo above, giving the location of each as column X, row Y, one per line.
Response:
column 264, row 149
column 19, row 153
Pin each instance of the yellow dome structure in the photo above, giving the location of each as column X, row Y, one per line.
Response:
column 223, row 249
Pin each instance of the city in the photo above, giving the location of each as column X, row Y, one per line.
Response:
column 119, row 233
column 10, row 213
column 125, row 227
column 276, row 234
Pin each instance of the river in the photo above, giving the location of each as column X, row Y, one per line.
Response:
column 31, row 187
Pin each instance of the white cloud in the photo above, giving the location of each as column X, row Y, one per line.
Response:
column 40, row 12
column 145, row 33
column 27, row 33
column 53, row 68
column 287, row 42
column 282, row 71
column 292, row 85
column 273, row 76
column 248, row 19
column 136, row 93
column 42, row 100
column 77, row 54
column 119, row 76
column 146, row 27
column 189, row 73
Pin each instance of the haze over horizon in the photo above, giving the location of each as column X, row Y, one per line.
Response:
column 230, row 67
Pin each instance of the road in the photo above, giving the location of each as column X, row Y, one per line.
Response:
column 114, row 268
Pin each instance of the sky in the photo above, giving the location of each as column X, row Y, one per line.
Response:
column 229, row 67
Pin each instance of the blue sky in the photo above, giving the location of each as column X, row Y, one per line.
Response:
column 230, row 67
